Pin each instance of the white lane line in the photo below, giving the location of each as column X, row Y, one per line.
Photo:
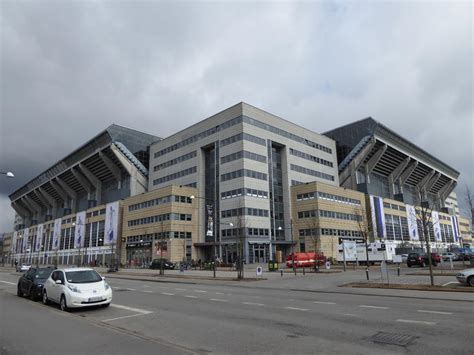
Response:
column 321, row 302
column 200, row 291
column 167, row 294
column 449, row 283
column 180, row 289
column 349, row 314
column 434, row 312
column 297, row 309
column 253, row 303
column 218, row 300
column 136, row 310
column 376, row 307
column 146, row 291
column 415, row 321
column 8, row 282
column 130, row 289
column 132, row 315
column 189, row 296
column 220, row 293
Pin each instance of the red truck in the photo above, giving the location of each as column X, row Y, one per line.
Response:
column 305, row 259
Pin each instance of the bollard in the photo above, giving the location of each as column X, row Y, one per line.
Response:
column 281, row 272
column 304, row 270
column 367, row 273
column 398, row 270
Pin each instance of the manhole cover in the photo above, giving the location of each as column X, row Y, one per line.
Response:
column 392, row 338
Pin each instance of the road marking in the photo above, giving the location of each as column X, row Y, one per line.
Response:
column 449, row 283
column 146, row 291
column 220, row 293
column 130, row 289
column 253, row 303
column 434, row 312
column 180, row 289
column 349, row 314
column 218, row 300
column 415, row 321
column 376, row 307
column 189, row 296
column 132, row 315
column 201, row 291
column 320, row 302
column 7, row 282
column 136, row 310
column 297, row 309
column 167, row 293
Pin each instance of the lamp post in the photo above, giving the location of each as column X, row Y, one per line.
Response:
column 7, row 173
column 292, row 246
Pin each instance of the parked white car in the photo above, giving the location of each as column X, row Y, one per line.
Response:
column 23, row 267
column 466, row 277
column 77, row 287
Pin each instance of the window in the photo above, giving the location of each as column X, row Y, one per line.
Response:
column 310, row 157
column 311, row 172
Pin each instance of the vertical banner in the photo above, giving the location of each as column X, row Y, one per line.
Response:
column 111, row 223
column 14, row 238
column 80, row 230
column 39, row 237
column 436, row 226
column 378, row 217
column 56, row 233
column 412, row 224
column 24, row 240
column 454, row 227
column 210, row 221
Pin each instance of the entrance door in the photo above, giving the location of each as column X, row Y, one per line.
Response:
column 259, row 253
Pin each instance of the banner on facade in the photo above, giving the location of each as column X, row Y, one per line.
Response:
column 56, row 233
column 454, row 227
column 210, row 221
column 350, row 249
column 436, row 226
column 39, row 237
column 24, row 240
column 14, row 238
column 412, row 223
column 111, row 223
column 80, row 229
column 378, row 217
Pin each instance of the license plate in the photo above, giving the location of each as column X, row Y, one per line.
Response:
column 95, row 299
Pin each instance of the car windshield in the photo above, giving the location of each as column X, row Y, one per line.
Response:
column 83, row 276
column 43, row 274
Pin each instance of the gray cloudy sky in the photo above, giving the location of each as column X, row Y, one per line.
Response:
column 71, row 68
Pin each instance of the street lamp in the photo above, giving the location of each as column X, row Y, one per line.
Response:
column 292, row 246
column 7, row 173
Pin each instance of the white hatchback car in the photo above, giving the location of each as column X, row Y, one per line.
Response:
column 77, row 287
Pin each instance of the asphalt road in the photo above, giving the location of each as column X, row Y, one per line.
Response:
column 227, row 319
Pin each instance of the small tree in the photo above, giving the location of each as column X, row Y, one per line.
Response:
column 315, row 236
column 423, row 211
column 364, row 229
column 469, row 199
column 240, row 224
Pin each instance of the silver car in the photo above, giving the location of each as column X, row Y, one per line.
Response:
column 466, row 277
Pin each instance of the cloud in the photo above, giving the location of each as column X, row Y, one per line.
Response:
column 69, row 69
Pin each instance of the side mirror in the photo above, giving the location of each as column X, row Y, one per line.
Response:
column 59, row 282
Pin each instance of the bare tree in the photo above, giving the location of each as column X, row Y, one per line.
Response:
column 364, row 228
column 240, row 225
column 423, row 211
column 469, row 199
column 315, row 235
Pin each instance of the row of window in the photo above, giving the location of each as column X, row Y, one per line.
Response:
column 175, row 161
column 69, row 220
column 174, row 176
column 160, row 218
column 310, row 232
column 238, row 120
column 247, row 211
column 296, row 182
column 199, row 136
column 95, row 213
column 394, row 207
column 243, row 154
column 327, row 197
column 243, row 172
column 286, row 134
column 160, row 201
column 245, row 231
column 157, row 236
column 329, row 214
column 243, row 136
column 310, row 157
column 246, row 192
column 311, row 172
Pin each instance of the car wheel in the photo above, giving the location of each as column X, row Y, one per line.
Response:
column 63, row 304
column 45, row 298
column 19, row 292
column 422, row 264
column 409, row 265
column 470, row 281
